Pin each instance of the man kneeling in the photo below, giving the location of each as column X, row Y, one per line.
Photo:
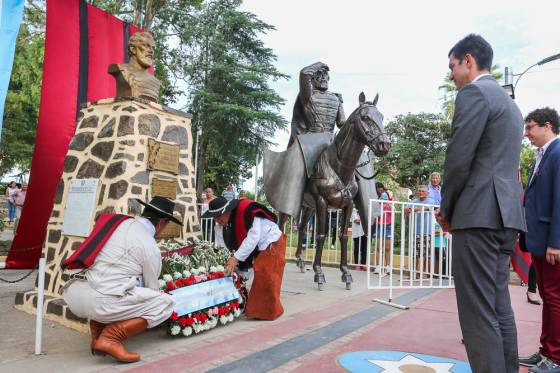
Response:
column 120, row 293
column 249, row 230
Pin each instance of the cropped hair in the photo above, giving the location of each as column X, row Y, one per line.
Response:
column 541, row 116
column 476, row 46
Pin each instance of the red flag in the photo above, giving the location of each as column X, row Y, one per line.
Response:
column 81, row 42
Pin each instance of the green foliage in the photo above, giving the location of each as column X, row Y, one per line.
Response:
column 229, row 70
column 418, row 148
column 527, row 159
column 212, row 48
column 24, row 92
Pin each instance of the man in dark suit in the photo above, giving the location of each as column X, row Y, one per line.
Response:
column 481, row 205
column 542, row 211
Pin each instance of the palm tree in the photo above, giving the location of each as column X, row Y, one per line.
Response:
column 450, row 92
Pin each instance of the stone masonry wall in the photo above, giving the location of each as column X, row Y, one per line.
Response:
column 111, row 144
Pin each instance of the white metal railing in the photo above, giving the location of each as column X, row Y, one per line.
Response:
column 331, row 247
column 408, row 248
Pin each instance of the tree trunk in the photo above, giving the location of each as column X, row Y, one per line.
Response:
column 201, row 165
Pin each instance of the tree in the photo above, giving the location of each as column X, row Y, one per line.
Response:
column 450, row 92
column 418, row 148
column 229, row 70
column 526, row 161
column 24, row 92
column 213, row 49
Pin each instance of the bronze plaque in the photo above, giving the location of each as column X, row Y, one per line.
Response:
column 163, row 157
column 171, row 231
column 164, row 188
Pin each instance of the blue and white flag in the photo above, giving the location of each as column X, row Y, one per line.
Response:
column 11, row 12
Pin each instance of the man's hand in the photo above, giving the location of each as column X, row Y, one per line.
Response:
column 552, row 255
column 231, row 265
column 442, row 222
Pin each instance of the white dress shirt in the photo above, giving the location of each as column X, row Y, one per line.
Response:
column 263, row 232
column 540, row 154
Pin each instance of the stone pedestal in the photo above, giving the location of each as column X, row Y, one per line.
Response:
column 111, row 145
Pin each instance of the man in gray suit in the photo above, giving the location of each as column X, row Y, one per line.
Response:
column 481, row 205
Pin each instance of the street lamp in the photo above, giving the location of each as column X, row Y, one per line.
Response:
column 511, row 88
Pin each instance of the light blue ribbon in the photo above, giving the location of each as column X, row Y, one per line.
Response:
column 204, row 295
column 11, row 12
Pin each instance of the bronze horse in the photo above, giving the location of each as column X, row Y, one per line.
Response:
column 333, row 182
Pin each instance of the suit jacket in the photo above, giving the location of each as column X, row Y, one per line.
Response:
column 482, row 189
column 542, row 203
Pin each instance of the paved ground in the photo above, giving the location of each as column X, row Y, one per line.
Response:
column 316, row 329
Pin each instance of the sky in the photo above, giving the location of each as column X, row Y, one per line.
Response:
column 399, row 49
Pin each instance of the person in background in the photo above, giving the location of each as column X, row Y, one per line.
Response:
column 18, row 199
column 228, row 193
column 207, row 224
column 382, row 227
column 10, row 190
column 423, row 227
column 434, row 188
column 542, row 213
column 360, row 242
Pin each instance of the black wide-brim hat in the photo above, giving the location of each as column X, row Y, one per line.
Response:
column 163, row 207
column 219, row 206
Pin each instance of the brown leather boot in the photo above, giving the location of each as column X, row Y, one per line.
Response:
column 95, row 329
column 111, row 339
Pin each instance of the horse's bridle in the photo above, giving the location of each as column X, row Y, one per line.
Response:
column 365, row 133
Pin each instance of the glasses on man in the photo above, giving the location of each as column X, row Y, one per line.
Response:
column 529, row 127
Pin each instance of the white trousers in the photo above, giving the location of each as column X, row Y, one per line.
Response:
column 153, row 306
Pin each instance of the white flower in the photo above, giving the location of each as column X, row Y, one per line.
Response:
column 177, row 275
column 201, row 269
column 230, row 317
column 220, row 268
column 187, row 331
column 207, row 326
column 196, row 328
column 237, row 312
column 175, row 329
column 186, row 274
column 213, row 269
column 223, row 320
column 167, row 278
column 240, row 300
column 194, row 271
column 161, row 284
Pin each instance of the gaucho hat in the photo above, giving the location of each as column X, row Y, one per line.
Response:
column 219, row 206
column 163, row 207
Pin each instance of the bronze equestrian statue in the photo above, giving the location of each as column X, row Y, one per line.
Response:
column 316, row 172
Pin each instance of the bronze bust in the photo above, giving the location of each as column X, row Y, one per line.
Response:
column 133, row 78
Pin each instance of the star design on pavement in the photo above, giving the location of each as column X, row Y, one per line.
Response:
column 411, row 364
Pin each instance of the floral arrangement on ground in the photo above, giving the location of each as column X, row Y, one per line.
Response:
column 188, row 265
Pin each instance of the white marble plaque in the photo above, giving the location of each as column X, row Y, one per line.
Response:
column 80, row 206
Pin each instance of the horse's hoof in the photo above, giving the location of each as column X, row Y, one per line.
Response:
column 320, row 286
column 348, row 286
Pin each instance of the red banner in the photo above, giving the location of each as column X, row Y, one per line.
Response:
column 81, row 42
